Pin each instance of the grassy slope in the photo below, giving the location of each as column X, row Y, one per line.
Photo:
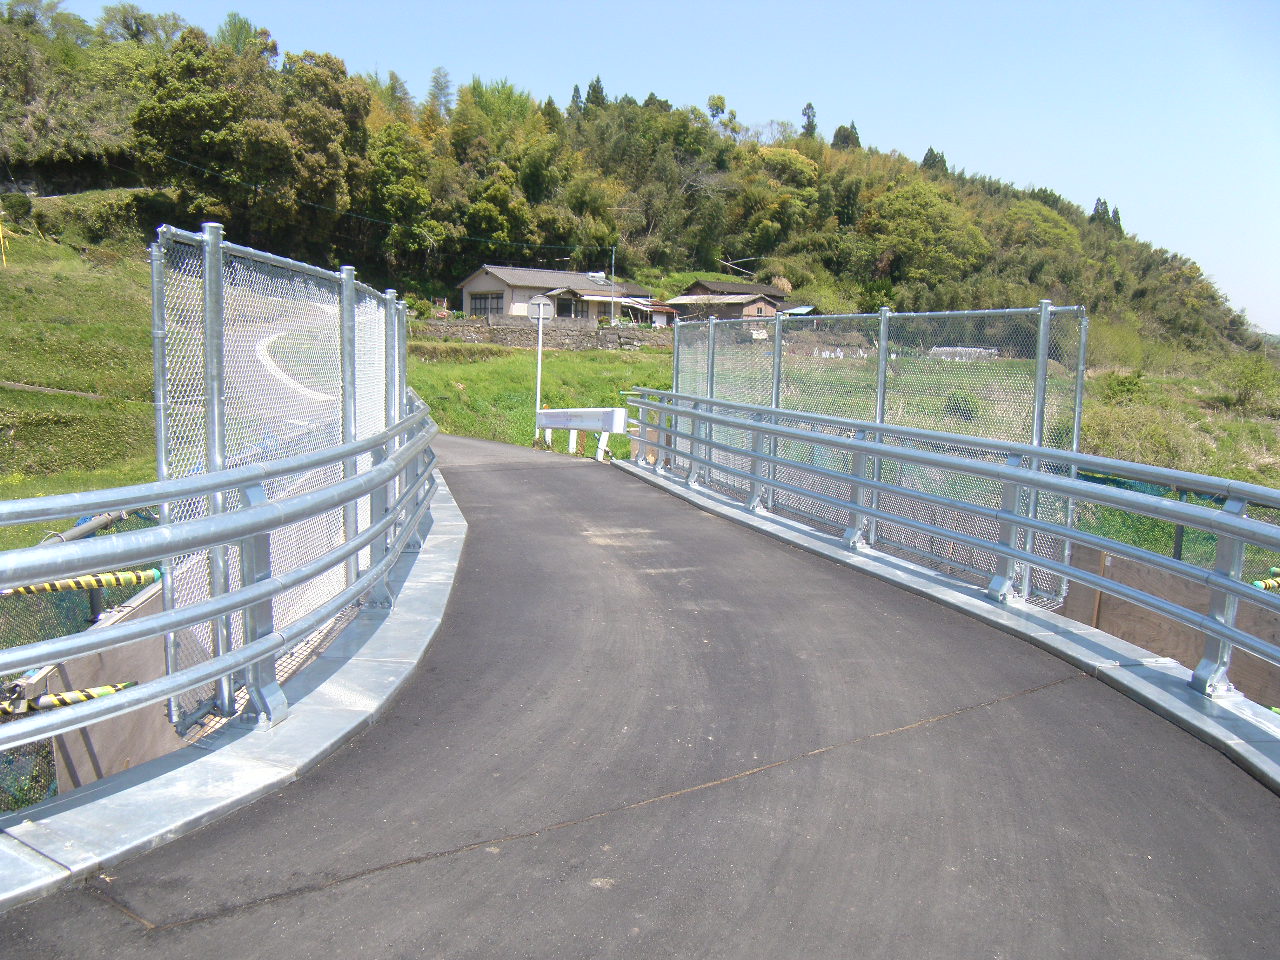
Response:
column 81, row 322
column 492, row 396
column 75, row 315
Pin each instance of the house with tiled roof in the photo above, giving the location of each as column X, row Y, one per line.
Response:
column 501, row 295
column 729, row 299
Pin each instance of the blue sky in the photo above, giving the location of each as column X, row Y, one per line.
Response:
column 1170, row 110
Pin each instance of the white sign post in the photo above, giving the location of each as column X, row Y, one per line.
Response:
column 539, row 310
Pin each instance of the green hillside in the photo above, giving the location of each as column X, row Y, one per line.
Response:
column 136, row 120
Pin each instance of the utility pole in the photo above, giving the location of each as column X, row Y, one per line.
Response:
column 613, row 289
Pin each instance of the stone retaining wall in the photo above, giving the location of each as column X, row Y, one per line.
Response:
column 625, row 337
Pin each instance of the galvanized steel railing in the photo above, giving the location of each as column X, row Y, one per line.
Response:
column 406, row 467
column 294, row 465
column 852, row 478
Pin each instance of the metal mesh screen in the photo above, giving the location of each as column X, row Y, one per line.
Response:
column 370, row 384
column 829, row 366
column 281, row 368
column 743, row 373
column 970, row 373
column 185, row 453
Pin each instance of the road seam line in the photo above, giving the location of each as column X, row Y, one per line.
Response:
column 564, row 824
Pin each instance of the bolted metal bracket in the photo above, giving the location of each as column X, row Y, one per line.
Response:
column 1210, row 676
column 267, row 703
column 379, row 597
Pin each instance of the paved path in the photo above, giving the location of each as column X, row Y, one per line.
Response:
column 646, row 732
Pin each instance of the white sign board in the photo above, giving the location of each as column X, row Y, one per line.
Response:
column 539, row 308
column 594, row 419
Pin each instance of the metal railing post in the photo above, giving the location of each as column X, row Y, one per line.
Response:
column 775, row 401
column 347, row 354
column 882, row 386
column 160, row 373
column 1011, row 493
column 382, row 496
column 675, row 355
column 216, row 440
column 857, row 529
column 756, row 496
column 1210, row 676
column 267, row 704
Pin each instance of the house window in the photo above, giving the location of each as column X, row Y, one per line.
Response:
column 571, row 307
column 486, row 304
column 759, row 311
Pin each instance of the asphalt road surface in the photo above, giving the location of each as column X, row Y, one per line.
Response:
column 646, row 732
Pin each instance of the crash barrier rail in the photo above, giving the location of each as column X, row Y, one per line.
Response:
column 294, row 467
column 858, row 480
column 401, row 485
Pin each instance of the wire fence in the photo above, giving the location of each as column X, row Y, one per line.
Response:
column 1013, row 375
column 28, row 774
column 264, row 358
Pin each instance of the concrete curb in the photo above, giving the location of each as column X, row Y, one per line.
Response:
column 71, row 836
column 1247, row 733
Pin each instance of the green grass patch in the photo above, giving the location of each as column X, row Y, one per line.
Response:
column 76, row 322
column 445, row 351
column 492, row 398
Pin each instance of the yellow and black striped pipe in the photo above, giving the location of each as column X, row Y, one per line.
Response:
column 65, row 699
column 1271, row 584
column 94, row 581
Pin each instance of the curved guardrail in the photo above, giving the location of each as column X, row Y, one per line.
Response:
column 1003, row 514
column 398, row 486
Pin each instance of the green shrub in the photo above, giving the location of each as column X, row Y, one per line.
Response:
column 1119, row 387
column 962, row 405
column 17, row 206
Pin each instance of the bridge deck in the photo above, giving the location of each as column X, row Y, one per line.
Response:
column 646, row 732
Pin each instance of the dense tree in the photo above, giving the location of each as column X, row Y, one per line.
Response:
column 935, row 161
column 439, row 102
column 846, row 138
column 236, row 33
column 810, row 128
column 295, row 155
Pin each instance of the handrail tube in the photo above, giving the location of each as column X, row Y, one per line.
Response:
column 248, row 253
column 1171, row 510
column 1209, row 578
column 41, row 509
column 96, row 640
column 1163, row 476
column 1194, row 619
column 42, row 562
column 16, row 733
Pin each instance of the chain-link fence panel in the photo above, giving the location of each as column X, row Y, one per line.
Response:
column 279, row 359
column 185, row 451
column 1010, row 375
column 743, row 373
column 370, row 381
column 829, row 366
column 690, row 377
